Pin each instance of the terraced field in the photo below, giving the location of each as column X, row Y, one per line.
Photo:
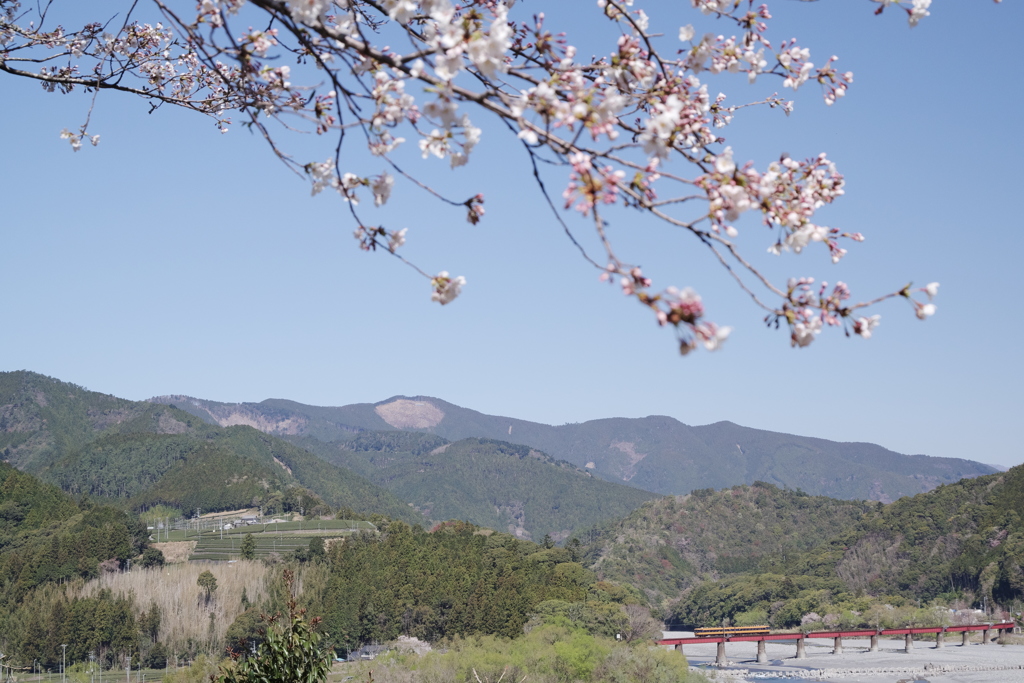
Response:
column 281, row 538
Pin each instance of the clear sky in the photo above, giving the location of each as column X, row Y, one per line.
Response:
column 173, row 259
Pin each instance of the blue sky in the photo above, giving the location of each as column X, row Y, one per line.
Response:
column 173, row 259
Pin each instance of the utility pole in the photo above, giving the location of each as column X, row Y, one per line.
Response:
column 128, row 669
column 64, row 662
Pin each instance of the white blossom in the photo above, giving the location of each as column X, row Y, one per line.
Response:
column 446, row 288
column 396, row 239
column 804, row 332
column 919, row 11
column 381, row 188
column 488, row 51
column 863, row 326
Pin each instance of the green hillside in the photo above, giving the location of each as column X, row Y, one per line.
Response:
column 760, row 555
column 657, row 453
column 966, row 537
column 42, row 419
column 494, row 484
column 45, row 537
column 142, row 454
column 670, row 544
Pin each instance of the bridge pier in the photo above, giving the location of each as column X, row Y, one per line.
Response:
column 762, row 656
column 837, row 648
column 720, row 659
column 873, row 647
column 984, row 637
column 679, row 648
column 801, row 647
column 908, row 643
column 1001, row 636
column 940, row 639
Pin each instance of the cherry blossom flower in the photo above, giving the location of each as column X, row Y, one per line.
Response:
column 446, row 288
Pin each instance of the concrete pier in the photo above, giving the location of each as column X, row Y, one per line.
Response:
column 762, row 656
column 679, row 648
column 940, row 640
column 720, row 659
column 964, row 642
column 984, row 637
column 801, row 647
column 909, row 643
column 837, row 647
column 874, row 644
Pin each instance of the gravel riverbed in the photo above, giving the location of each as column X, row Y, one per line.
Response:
column 972, row 663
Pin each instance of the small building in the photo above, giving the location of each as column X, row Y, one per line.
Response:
column 367, row 652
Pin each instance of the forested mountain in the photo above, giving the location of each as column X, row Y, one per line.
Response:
column 143, row 454
column 966, row 537
column 759, row 554
column 46, row 537
column 668, row 545
column 657, row 453
column 495, row 484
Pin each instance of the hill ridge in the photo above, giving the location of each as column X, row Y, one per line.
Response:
column 657, row 453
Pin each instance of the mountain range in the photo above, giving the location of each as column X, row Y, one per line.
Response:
column 657, row 453
column 142, row 454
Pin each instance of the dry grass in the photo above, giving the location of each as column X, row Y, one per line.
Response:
column 184, row 614
column 175, row 551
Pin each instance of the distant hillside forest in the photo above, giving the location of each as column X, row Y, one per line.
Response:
column 140, row 454
column 656, row 453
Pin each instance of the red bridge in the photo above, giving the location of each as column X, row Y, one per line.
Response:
column 800, row 638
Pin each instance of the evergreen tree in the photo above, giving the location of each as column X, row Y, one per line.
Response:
column 248, row 547
column 208, row 582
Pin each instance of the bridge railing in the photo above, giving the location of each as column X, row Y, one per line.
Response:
column 837, row 636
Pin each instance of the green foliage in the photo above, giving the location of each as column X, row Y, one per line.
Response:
column 670, row 544
column 151, row 557
column 292, row 651
column 456, row 580
column 552, row 653
column 248, row 547
column 102, row 623
column 961, row 542
column 208, row 582
column 45, row 537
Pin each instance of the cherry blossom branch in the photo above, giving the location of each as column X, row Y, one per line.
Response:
column 635, row 127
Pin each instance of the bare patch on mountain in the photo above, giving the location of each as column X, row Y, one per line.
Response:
column 515, row 512
column 405, row 414
column 168, row 425
column 628, row 469
column 285, row 467
column 291, row 425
